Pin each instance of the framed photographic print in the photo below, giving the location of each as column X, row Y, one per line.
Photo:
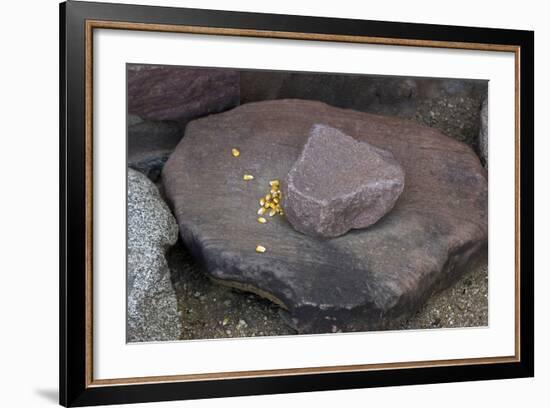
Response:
column 255, row 203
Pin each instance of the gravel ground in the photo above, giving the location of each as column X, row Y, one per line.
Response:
column 464, row 304
column 209, row 310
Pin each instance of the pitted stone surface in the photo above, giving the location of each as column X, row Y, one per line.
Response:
column 362, row 280
column 338, row 184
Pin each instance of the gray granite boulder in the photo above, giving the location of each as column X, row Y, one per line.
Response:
column 483, row 133
column 364, row 280
column 338, row 184
column 150, row 143
column 164, row 92
column 152, row 313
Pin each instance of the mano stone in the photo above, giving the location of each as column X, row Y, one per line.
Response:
column 338, row 184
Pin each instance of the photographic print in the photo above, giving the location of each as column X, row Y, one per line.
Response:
column 258, row 204
column 278, row 203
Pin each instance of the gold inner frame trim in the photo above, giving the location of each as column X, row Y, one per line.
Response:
column 98, row 24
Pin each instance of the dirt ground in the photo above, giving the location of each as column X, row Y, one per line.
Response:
column 209, row 310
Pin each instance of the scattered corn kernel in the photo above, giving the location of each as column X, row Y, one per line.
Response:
column 262, row 220
column 260, row 249
column 261, row 211
column 235, row 152
column 248, row 177
column 268, row 197
column 262, row 201
column 274, row 183
column 272, row 213
column 276, row 200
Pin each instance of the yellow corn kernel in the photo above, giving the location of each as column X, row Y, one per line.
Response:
column 260, row 249
column 247, row 177
column 235, row 152
column 268, row 197
column 272, row 213
column 274, row 183
column 261, row 211
column 262, row 220
column 262, row 201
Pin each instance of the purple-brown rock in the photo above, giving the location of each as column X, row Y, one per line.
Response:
column 338, row 184
column 366, row 279
column 180, row 94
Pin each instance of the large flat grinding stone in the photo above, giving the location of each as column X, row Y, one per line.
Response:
column 364, row 280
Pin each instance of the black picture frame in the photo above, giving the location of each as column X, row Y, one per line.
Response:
column 76, row 387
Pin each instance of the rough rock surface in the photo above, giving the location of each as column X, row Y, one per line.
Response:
column 338, row 184
column 180, row 94
column 152, row 229
column 483, row 133
column 363, row 280
column 150, row 143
